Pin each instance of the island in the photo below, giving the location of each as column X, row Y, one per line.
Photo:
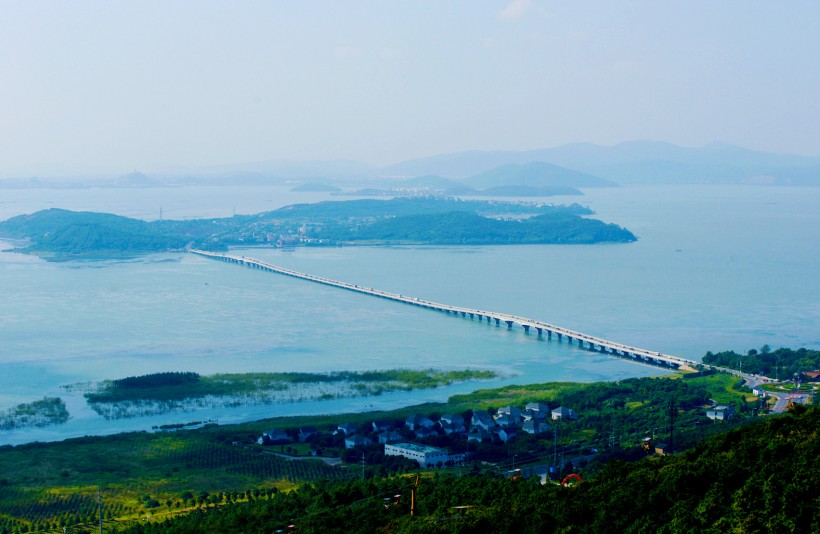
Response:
column 58, row 234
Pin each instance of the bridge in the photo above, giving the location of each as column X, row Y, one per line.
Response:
column 592, row 343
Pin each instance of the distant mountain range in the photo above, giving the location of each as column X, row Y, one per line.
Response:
column 535, row 174
column 571, row 165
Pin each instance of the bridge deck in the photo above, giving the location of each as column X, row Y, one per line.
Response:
column 603, row 345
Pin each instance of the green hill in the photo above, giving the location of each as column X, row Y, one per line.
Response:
column 58, row 231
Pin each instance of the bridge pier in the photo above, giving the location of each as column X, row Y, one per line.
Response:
column 592, row 344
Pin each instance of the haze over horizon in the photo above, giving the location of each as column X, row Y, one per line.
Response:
column 98, row 88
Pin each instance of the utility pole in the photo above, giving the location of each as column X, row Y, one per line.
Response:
column 612, row 434
column 555, row 446
column 673, row 413
column 363, row 464
column 413, row 496
column 99, row 503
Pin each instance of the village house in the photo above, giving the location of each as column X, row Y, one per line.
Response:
column 535, row 410
column 478, row 435
column 424, row 432
column 452, row 418
column 504, row 434
column 811, row 375
column 508, row 416
column 452, row 428
column 562, row 412
column 513, row 411
column 417, row 420
column 452, row 423
column 348, row 429
column 483, row 420
column 720, row 412
column 507, row 420
column 534, row 426
column 389, row 436
column 381, row 426
column 273, row 437
column 357, row 441
column 305, row 432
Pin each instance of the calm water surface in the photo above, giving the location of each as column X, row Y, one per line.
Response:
column 715, row 268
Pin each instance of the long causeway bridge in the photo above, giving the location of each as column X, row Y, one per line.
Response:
column 591, row 342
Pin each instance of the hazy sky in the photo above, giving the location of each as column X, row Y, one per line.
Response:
column 112, row 86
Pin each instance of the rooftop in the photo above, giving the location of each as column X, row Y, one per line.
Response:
column 417, row 448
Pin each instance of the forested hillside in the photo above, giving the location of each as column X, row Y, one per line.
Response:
column 782, row 363
column 760, row 478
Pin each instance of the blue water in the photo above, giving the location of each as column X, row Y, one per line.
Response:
column 715, row 268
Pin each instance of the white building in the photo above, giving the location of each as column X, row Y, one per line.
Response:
column 425, row 455
column 719, row 413
column 562, row 412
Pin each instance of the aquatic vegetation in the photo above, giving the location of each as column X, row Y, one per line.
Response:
column 166, row 392
column 43, row 412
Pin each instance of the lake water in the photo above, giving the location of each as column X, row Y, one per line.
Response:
column 715, row 268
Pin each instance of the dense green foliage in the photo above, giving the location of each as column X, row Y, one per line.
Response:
column 783, row 363
column 68, row 232
column 154, row 380
column 462, row 228
column 43, row 412
column 760, row 478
